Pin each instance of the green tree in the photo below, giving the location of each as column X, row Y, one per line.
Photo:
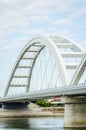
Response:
column 43, row 103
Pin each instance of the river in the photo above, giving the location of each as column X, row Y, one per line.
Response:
column 43, row 123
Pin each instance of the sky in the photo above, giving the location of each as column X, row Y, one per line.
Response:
column 20, row 20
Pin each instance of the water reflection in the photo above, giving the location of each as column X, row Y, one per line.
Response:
column 43, row 123
column 74, row 129
column 15, row 123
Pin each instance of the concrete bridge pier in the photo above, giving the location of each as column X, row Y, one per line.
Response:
column 75, row 112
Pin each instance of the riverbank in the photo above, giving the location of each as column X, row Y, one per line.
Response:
column 32, row 112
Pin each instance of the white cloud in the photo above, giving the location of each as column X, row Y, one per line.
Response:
column 32, row 31
column 17, row 43
column 63, row 21
column 79, row 12
column 21, row 15
column 38, row 19
column 83, row 44
column 62, row 5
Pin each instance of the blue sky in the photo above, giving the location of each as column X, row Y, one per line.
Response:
column 22, row 19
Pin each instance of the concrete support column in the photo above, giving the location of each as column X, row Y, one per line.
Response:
column 75, row 112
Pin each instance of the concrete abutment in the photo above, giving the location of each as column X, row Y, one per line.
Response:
column 75, row 112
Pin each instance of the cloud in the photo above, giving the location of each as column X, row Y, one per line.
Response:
column 33, row 31
column 63, row 21
column 29, row 17
column 79, row 12
column 39, row 19
column 83, row 44
column 14, row 18
column 17, row 43
column 62, row 5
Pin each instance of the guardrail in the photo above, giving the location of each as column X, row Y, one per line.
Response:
column 79, row 89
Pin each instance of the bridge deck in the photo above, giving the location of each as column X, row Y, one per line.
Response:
column 72, row 90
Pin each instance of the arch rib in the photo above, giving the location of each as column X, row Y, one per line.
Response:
column 56, row 54
column 43, row 41
column 79, row 71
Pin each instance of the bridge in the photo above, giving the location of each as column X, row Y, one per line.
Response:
column 48, row 67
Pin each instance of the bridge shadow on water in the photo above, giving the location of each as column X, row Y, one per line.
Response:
column 14, row 123
column 33, row 124
column 74, row 129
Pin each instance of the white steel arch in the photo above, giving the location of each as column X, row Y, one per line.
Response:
column 55, row 44
column 80, row 69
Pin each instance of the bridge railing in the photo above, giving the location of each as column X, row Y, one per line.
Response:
column 79, row 89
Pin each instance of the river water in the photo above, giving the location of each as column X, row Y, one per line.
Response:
column 43, row 123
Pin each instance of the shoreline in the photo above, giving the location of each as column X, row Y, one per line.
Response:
column 32, row 112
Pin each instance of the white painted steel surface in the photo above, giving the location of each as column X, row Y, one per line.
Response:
column 68, row 57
